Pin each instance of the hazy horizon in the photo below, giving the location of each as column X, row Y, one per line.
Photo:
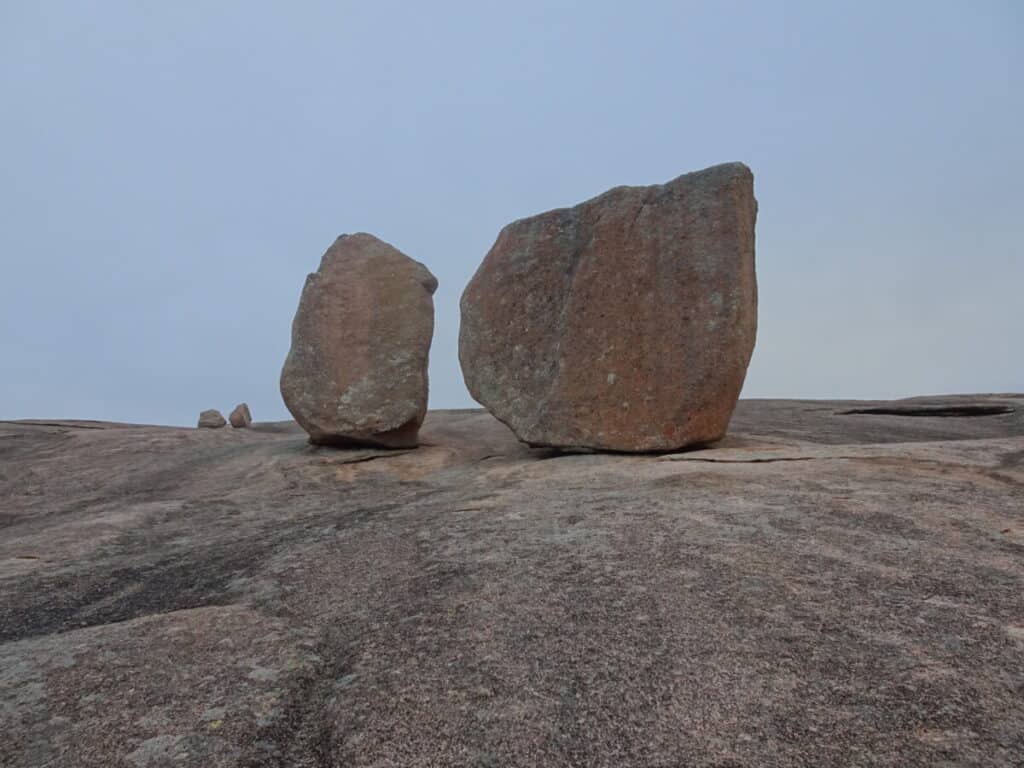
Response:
column 173, row 172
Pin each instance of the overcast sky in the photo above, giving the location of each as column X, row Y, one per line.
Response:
column 171, row 171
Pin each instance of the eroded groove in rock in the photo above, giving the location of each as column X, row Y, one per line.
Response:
column 987, row 409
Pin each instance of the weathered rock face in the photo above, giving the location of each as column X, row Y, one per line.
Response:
column 825, row 588
column 240, row 418
column 211, row 419
column 356, row 373
column 625, row 323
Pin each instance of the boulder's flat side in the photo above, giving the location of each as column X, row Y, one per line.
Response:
column 624, row 323
column 837, row 583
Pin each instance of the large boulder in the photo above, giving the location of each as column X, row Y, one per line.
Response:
column 356, row 373
column 625, row 323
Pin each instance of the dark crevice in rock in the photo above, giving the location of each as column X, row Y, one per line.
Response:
column 391, row 453
column 772, row 460
column 301, row 734
column 930, row 410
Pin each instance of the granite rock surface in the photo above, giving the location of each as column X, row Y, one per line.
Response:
column 837, row 583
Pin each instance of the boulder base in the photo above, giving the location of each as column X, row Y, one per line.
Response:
column 625, row 323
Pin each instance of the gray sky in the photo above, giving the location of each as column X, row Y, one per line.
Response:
column 171, row 172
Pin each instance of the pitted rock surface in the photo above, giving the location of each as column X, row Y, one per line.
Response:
column 356, row 373
column 625, row 323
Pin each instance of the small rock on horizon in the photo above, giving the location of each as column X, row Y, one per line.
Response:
column 240, row 418
column 211, row 419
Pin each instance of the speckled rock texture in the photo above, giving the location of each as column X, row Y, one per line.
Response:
column 356, row 373
column 625, row 323
column 241, row 417
column 211, row 419
column 834, row 584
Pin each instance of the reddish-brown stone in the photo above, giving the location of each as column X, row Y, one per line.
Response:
column 356, row 373
column 241, row 417
column 625, row 323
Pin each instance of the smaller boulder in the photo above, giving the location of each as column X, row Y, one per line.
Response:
column 211, row 419
column 356, row 371
column 240, row 417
